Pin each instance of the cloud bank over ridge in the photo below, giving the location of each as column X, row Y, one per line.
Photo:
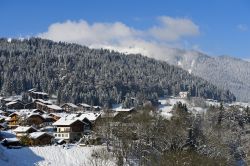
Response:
column 154, row 42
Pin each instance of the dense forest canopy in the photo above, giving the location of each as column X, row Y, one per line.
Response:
column 96, row 76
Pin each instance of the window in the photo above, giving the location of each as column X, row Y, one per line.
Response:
column 59, row 135
column 55, row 135
column 62, row 135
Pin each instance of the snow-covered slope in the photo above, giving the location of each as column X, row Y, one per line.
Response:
column 223, row 71
column 48, row 156
column 166, row 106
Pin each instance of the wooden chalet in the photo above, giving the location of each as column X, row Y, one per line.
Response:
column 69, row 107
column 69, row 130
column 35, row 119
column 40, row 138
column 24, row 131
column 14, row 105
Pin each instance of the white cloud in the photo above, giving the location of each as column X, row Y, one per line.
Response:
column 171, row 29
column 242, row 27
column 153, row 42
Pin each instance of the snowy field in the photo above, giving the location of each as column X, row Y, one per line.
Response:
column 166, row 106
column 49, row 156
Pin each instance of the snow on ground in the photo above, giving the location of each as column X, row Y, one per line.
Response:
column 166, row 111
column 48, row 156
column 242, row 104
column 167, row 105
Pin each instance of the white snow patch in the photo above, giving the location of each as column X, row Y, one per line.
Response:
column 179, row 63
column 48, row 155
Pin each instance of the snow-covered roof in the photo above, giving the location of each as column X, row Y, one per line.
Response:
column 58, row 114
column 84, row 105
column 89, row 116
column 40, row 93
column 10, row 103
column 12, row 98
column 46, row 116
column 11, row 139
column 23, row 112
column 124, row 109
column 37, row 134
column 22, row 129
column 65, row 121
column 118, row 108
column 35, row 114
column 54, row 107
column 71, row 105
column 43, row 101
column 97, row 107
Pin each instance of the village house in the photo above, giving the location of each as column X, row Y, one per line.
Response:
column 53, row 108
column 41, row 104
column 19, row 116
column 24, row 131
column 84, row 107
column 89, row 118
column 96, row 108
column 35, row 119
column 14, row 105
column 14, row 119
column 69, row 129
column 47, row 106
column 48, row 120
column 38, row 95
column 184, row 95
column 56, row 116
column 31, row 105
column 11, row 142
column 40, row 138
column 69, row 107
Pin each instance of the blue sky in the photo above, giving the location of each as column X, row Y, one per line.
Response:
column 223, row 25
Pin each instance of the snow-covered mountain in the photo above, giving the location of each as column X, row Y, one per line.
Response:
column 223, row 71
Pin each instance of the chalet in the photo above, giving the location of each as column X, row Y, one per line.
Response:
column 31, row 105
column 38, row 111
column 14, row 119
column 47, row 106
column 69, row 129
column 123, row 112
column 53, row 108
column 41, row 104
column 96, row 108
column 69, row 107
column 38, row 95
column 84, row 107
column 88, row 118
column 55, row 116
column 40, row 138
column 14, row 105
column 10, row 99
column 48, row 120
column 11, row 142
column 184, row 95
column 35, row 119
column 24, row 131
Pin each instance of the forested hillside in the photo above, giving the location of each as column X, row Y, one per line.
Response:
column 222, row 71
column 95, row 76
